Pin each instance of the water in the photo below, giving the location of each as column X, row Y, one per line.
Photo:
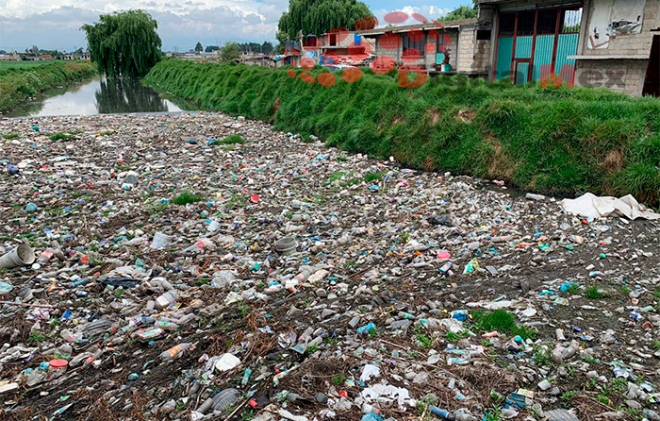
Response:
column 97, row 96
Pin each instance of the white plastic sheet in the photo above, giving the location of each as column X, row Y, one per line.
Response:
column 590, row 205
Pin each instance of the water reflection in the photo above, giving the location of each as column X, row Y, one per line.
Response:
column 97, row 96
column 127, row 96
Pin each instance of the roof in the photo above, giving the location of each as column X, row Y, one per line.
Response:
column 454, row 24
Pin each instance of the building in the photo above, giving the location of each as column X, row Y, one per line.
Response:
column 597, row 43
column 448, row 47
column 345, row 48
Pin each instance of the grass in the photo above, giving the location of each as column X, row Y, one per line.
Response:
column 373, row 176
column 532, row 137
column 594, row 293
column 503, row 322
column 424, row 340
column 230, row 140
column 338, row 380
column 187, row 197
column 10, row 136
column 62, row 136
column 572, row 289
column 20, row 80
column 36, row 337
column 455, row 337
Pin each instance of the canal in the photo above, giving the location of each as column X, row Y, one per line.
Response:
column 97, row 96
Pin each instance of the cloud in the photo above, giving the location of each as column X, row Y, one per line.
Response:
column 55, row 24
column 180, row 25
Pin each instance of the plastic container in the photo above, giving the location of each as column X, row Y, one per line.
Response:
column 286, row 245
column 22, row 255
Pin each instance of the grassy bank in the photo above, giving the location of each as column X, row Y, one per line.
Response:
column 551, row 140
column 21, row 80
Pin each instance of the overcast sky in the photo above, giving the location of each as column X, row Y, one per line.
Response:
column 55, row 24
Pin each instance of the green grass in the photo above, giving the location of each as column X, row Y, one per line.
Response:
column 594, row 293
column 338, row 380
column 62, row 136
column 424, row 340
column 572, row 289
column 10, row 136
column 373, row 176
column 501, row 321
column 21, row 80
column 230, row 140
column 552, row 140
column 36, row 337
column 187, row 197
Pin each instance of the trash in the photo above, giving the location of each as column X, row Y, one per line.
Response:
column 286, row 275
column 119, row 281
column 227, row 362
column 560, row 415
column 589, row 205
column 22, row 255
column 286, row 245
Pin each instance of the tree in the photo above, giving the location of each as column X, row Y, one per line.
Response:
column 319, row 16
column 462, row 12
column 124, row 43
column 211, row 48
column 199, row 48
column 231, row 51
column 267, row 47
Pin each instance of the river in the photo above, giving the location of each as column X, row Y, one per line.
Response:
column 97, row 96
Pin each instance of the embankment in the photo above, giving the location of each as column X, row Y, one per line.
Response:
column 22, row 80
column 562, row 141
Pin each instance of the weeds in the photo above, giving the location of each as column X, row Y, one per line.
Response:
column 187, row 197
column 568, row 396
column 61, row 136
column 373, row 176
column 10, row 136
column 230, row 140
column 455, row 337
column 424, row 340
column 594, row 293
column 501, row 321
column 338, row 380
column 36, row 337
column 572, row 289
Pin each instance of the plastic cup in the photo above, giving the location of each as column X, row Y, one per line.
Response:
column 286, row 245
column 22, row 255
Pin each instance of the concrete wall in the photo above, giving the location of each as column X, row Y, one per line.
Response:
column 623, row 76
column 608, row 67
column 633, row 44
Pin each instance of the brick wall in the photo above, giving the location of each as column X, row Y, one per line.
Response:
column 623, row 76
column 473, row 55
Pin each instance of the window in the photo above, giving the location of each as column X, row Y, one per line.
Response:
column 507, row 23
column 547, row 22
column 483, row 35
column 571, row 19
column 413, row 40
column 526, row 23
column 332, row 39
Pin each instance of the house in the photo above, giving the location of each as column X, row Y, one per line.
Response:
column 255, row 58
column 338, row 47
column 448, row 47
column 291, row 55
column 597, row 43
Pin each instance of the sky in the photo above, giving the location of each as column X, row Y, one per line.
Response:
column 55, row 24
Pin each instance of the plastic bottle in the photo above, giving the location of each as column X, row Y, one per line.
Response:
column 176, row 351
column 442, row 413
column 166, row 299
column 167, row 326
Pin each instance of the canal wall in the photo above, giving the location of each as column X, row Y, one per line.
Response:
column 551, row 140
column 21, row 80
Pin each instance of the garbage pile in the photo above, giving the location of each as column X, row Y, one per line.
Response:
column 205, row 267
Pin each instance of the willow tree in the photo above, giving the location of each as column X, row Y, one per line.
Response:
column 319, row 16
column 124, row 43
